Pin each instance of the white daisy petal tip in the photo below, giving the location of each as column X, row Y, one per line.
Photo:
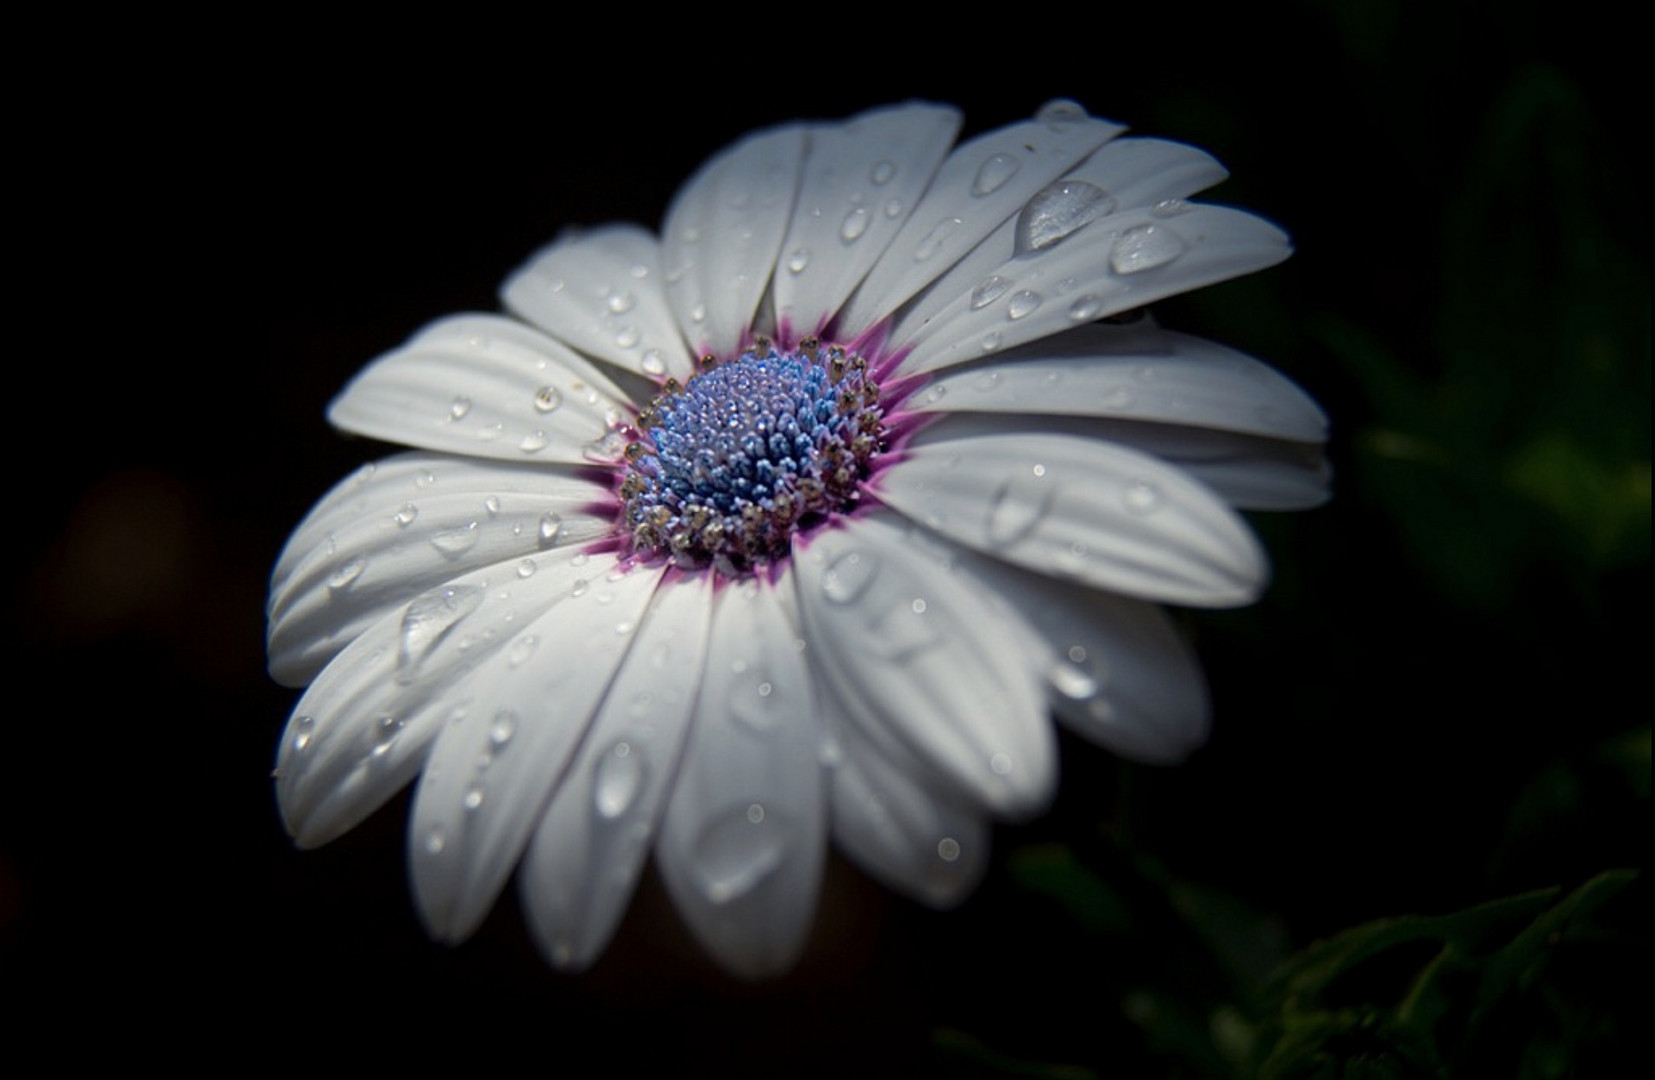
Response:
column 796, row 524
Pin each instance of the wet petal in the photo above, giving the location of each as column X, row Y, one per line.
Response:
column 1084, row 509
column 589, row 845
column 982, row 184
column 493, row 767
column 1134, row 372
column 861, row 181
column 745, row 834
column 602, row 292
column 483, row 386
column 723, row 232
column 406, row 525
column 914, row 649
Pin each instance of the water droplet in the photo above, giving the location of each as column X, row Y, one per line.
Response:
column 619, row 302
column 502, row 729
column 1169, row 208
column 934, row 395
column 698, row 313
column 918, row 607
column 458, row 408
column 548, row 529
column 435, row 841
column 1057, row 211
column 882, row 173
column 492, row 505
column 934, row 240
column 893, row 208
column 1000, row 763
column 1142, row 497
column 653, row 363
column 1144, row 247
column 1038, row 469
column 458, row 540
column 386, row 730
column 991, row 341
column 526, row 568
column 848, row 576
column 948, row 849
column 990, row 290
column 606, row 449
column 854, row 225
column 547, row 398
column 578, row 559
column 1016, row 508
column 1060, row 113
column 303, row 728
column 1073, row 682
column 405, row 515
column 993, row 173
column 534, row 442
column 1022, row 303
column 1085, row 308
column 491, row 431
column 580, row 587
column 473, row 798
column 737, row 851
column 427, row 620
column 800, row 259
column 626, row 337
column 618, row 780
column 342, row 577
column 1077, row 653
column 521, row 650
column 988, row 380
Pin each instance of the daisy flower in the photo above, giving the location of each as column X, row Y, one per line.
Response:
column 799, row 520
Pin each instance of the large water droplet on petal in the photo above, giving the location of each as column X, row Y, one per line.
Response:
column 428, row 620
column 1017, row 507
column 848, row 576
column 854, row 225
column 405, row 515
column 347, row 573
column 737, row 851
column 993, row 173
column 1023, row 302
column 1144, row 247
column 456, row 541
column 618, row 780
column 1057, row 211
column 547, row 398
column 990, row 290
column 548, row 529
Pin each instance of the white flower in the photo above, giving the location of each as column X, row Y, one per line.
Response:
column 833, row 579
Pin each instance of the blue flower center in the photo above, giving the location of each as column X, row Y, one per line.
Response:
column 726, row 468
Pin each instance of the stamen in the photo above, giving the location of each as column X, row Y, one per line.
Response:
column 726, row 468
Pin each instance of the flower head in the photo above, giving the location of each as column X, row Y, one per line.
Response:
column 798, row 521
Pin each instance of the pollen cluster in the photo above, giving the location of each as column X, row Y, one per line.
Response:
column 728, row 466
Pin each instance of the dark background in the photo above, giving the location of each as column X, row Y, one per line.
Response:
column 1439, row 703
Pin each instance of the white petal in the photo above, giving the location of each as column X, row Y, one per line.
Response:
column 602, row 292
column 861, row 181
column 1136, row 372
column 490, row 773
column 903, row 830
column 1085, row 509
column 916, row 650
column 983, row 183
column 1119, row 672
column 484, row 386
column 363, row 728
column 406, row 525
column 1113, row 264
column 723, row 232
column 745, row 834
column 589, row 844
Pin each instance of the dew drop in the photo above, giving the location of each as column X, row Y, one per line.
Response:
column 698, row 313
column 1060, row 113
column 1000, row 763
column 405, row 515
column 848, row 576
column 579, row 588
column 526, row 568
column 428, row 620
column 606, row 449
column 1024, row 302
column 548, row 529
column 993, row 173
column 578, row 559
column 435, row 841
column 458, row 540
column 1144, row 247
column 386, row 730
column 934, row 240
column 502, row 728
column 547, row 398
column 991, row 341
column 1169, row 208
column 534, row 442
column 893, row 208
column 1059, row 210
column 653, row 363
column 737, row 851
column 882, row 173
column 492, row 505
column 854, row 225
column 1077, row 653
column 797, row 261
column 473, row 798
column 934, row 395
column 521, row 650
column 948, row 849
column 1085, row 308
column 347, row 573
column 491, row 431
column 620, row 301
column 618, row 780
column 988, row 291
column 458, row 408
column 1016, row 508
column 1142, row 497
column 988, row 380
column 304, row 727
column 626, row 337
column 1073, row 682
